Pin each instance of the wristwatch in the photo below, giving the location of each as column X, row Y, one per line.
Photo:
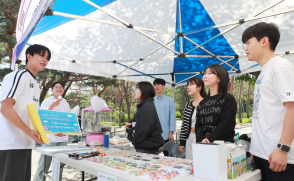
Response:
column 284, row 148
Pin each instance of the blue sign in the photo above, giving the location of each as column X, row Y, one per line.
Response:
column 54, row 122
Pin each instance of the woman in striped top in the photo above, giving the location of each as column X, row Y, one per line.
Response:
column 187, row 137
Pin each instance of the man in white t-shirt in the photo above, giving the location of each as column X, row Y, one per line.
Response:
column 17, row 137
column 272, row 137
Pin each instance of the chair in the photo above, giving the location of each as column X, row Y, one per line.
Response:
column 171, row 149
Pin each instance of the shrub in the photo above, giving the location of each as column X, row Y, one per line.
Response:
column 247, row 120
column 107, row 124
column 244, row 115
column 178, row 115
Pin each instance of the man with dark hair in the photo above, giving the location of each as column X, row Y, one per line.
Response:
column 273, row 112
column 17, row 137
column 37, row 49
column 165, row 107
column 57, row 82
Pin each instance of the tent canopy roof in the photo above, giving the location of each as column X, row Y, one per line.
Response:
column 142, row 40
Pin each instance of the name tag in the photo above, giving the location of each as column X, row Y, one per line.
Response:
column 133, row 124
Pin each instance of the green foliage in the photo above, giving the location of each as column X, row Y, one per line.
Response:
column 178, row 115
column 107, row 124
column 97, row 81
column 250, row 79
column 8, row 18
column 81, row 99
column 4, row 72
column 123, row 117
column 48, row 95
column 244, row 115
column 247, row 120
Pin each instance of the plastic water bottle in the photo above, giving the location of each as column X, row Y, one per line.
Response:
column 106, row 141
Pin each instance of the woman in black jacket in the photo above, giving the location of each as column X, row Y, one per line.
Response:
column 145, row 130
column 216, row 113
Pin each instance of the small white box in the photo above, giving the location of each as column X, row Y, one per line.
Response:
column 237, row 164
column 210, row 161
column 80, row 144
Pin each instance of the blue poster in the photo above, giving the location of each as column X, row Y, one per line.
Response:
column 54, row 122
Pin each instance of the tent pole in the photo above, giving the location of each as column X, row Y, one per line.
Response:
column 73, row 61
column 234, row 22
column 180, row 23
column 224, row 62
column 199, row 73
column 52, row 4
column 107, row 22
column 232, row 27
column 173, row 84
column 129, row 25
column 173, row 89
column 141, row 59
column 174, row 93
column 189, row 78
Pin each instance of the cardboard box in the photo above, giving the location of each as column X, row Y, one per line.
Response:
column 237, row 164
column 210, row 161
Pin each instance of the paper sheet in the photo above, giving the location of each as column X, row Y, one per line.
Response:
column 55, row 121
column 36, row 122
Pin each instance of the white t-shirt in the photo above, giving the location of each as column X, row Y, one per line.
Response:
column 62, row 107
column 274, row 86
column 193, row 119
column 23, row 88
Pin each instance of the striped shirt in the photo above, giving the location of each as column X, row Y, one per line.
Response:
column 21, row 86
column 186, row 124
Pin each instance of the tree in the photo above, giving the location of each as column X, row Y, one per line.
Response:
column 232, row 85
column 3, row 72
column 78, row 98
column 182, row 95
column 96, row 85
column 8, row 21
column 48, row 76
column 127, row 91
column 250, row 79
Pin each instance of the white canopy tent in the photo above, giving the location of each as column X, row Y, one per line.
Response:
column 142, row 40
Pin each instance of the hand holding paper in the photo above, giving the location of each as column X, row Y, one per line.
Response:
column 60, row 134
column 36, row 122
column 35, row 136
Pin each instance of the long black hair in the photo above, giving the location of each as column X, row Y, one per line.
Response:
column 223, row 76
column 147, row 90
column 199, row 83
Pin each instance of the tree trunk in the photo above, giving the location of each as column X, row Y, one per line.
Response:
column 183, row 96
column 45, row 90
column 232, row 85
column 127, row 99
column 115, row 99
column 102, row 91
column 186, row 95
column 247, row 105
column 239, row 102
column 118, row 114
column 66, row 89
column 229, row 87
